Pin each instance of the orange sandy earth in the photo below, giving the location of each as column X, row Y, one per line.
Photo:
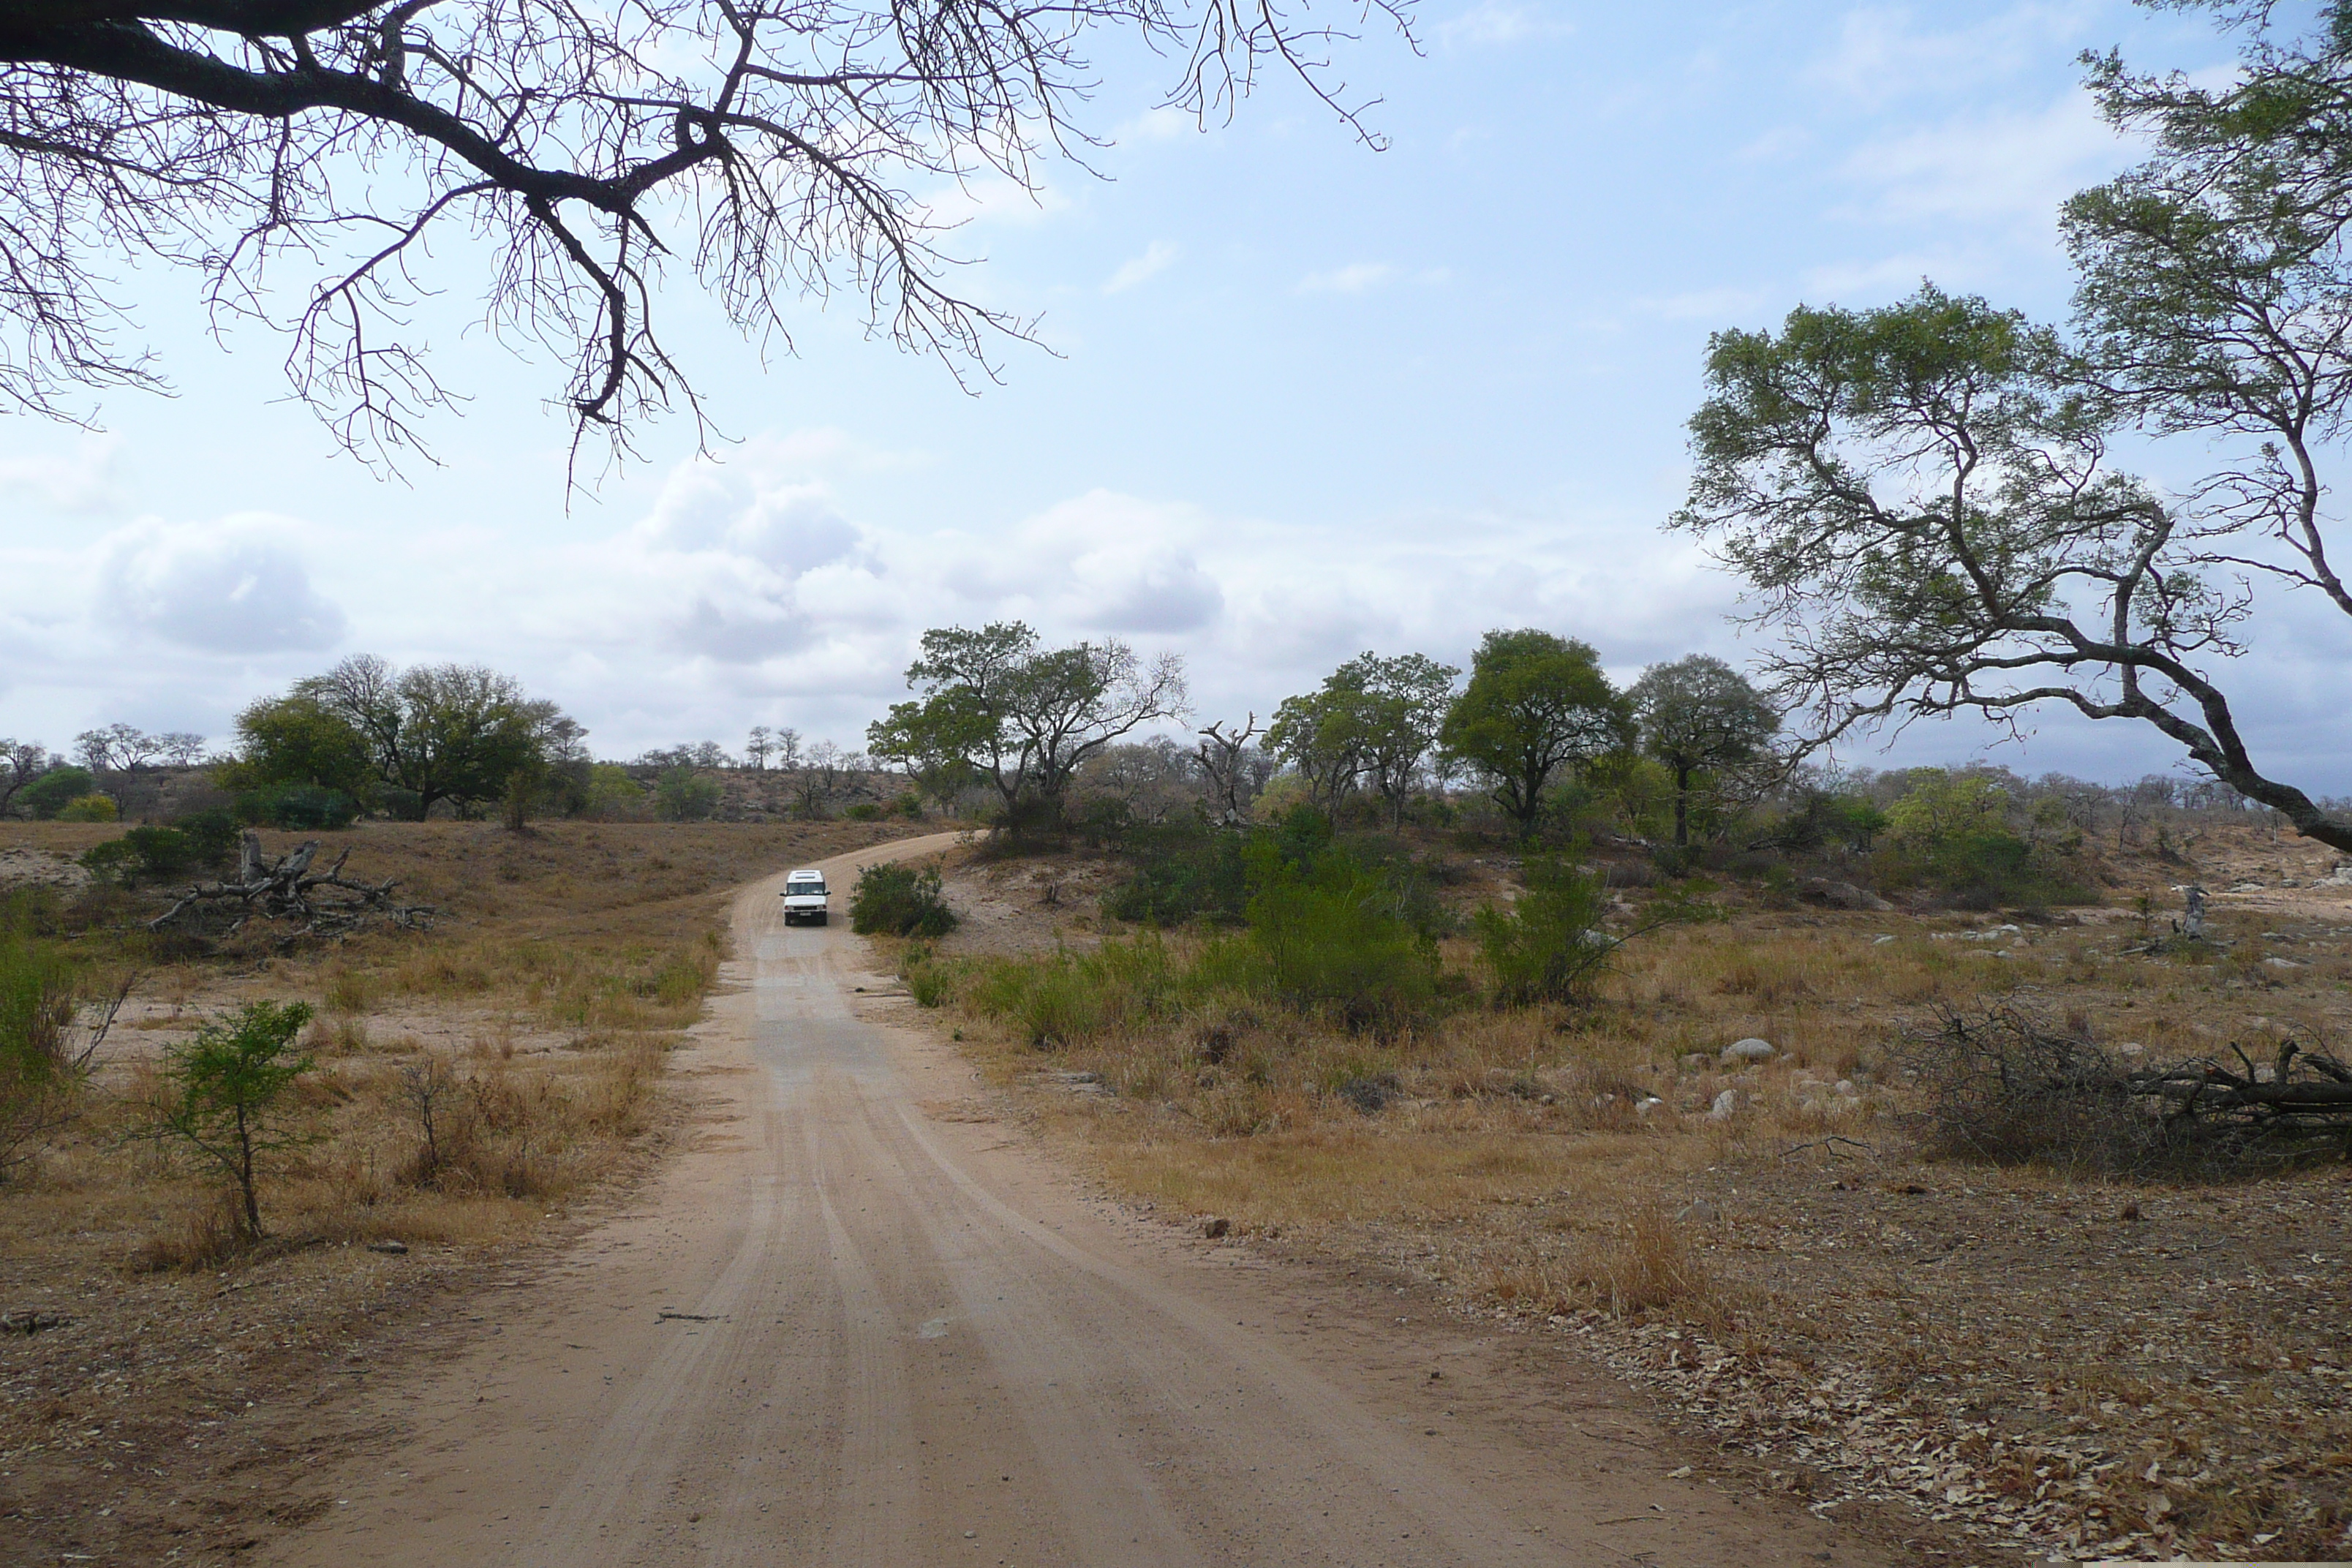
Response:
column 856, row 1323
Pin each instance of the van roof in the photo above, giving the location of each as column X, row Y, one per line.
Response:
column 806, row 877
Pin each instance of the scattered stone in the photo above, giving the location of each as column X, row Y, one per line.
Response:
column 1724, row 1104
column 2246, row 887
column 1647, row 1105
column 1700, row 1212
column 2132, row 1049
column 1845, row 1086
column 32, row 1321
column 2281, row 964
column 1751, row 1049
column 1216, row 1227
column 394, row 1249
column 1880, row 940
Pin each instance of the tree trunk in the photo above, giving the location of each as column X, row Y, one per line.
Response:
column 1682, row 807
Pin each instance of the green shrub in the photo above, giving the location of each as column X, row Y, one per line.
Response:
column 1183, row 872
column 89, row 808
column 682, row 795
column 213, row 835
column 863, row 811
column 1333, row 940
column 1548, row 946
column 38, row 1074
column 611, row 794
column 146, row 855
column 892, row 899
column 221, row 1098
column 928, row 981
column 297, row 808
column 55, row 790
column 1065, row 997
column 908, row 806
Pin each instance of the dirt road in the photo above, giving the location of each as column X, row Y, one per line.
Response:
column 857, row 1323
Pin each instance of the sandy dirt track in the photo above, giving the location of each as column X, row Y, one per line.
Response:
column 858, row 1322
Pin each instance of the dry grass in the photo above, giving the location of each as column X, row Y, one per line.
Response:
column 1993, row 1348
column 534, row 1022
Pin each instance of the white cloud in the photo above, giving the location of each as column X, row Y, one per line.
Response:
column 1157, row 258
column 81, row 482
column 2005, row 167
column 238, row 586
column 1884, row 55
column 1165, row 123
column 1356, row 277
column 1491, row 23
column 985, row 199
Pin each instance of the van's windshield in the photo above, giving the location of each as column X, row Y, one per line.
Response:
column 806, row 885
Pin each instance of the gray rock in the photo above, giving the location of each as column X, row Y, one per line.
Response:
column 1751, row 1049
column 1842, row 895
column 1700, row 1212
column 1724, row 1104
column 1216, row 1226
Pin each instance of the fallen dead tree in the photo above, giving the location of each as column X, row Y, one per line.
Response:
column 2002, row 1084
column 327, row 903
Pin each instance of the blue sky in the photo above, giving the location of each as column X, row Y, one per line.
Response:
column 1302, row 400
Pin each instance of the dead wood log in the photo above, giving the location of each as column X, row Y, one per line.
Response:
column 327, row 903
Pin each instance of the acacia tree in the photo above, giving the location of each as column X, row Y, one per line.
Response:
column 1022, row 716
column 1920, row 498
column 774, row 149
column 1699, row 714
column 1536, row 704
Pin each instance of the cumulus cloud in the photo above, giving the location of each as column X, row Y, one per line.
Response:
column 239, row 586
column 1157, row 258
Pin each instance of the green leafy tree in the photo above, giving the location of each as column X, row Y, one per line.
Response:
column 1374, row 722
column 55, row 789
column 1022, row 716
column 451, row 733
column 685, row 794
column 1941, row 808
column 1920, row 496
column 297, row 740
column 1536, row 705
column 1699, row 715
column 223, row 1097
column 1321, row 735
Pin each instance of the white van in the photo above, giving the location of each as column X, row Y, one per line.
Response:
column 804, row 897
